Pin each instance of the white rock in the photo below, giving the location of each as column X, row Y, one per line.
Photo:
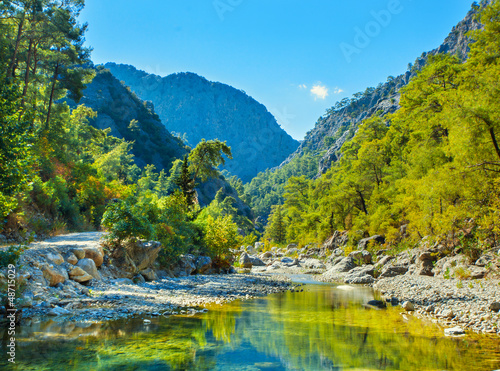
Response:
column 454, row 331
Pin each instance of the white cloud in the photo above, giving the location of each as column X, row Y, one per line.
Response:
column 337, row 90
column 303, row 86
column 319, row 92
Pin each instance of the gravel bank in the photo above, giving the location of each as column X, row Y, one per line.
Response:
column 471, row 305
column 121, row 299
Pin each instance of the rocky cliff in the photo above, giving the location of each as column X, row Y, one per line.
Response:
column 117, row 107
column 340, row 123
column 191, row 105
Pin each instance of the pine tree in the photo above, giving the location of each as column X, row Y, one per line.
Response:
column 186, row 183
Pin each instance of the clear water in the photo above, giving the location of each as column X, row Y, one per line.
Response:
column 323, row 328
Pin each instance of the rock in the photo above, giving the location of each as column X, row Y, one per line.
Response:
column 25, row 302
column 88, row 265
column 363, row 256
column 447, row 313
column 484, row 260
column 383, row 261
column 79, row 275
column 123, row 281
column 377, row 303
column 477, row 272
column 495, row 307
column 267, row 255
column 363, row 244
column 245, row 261
column 96, row 254
column 138, row 279
column 454, row 331
column 79, row 253
column 54, row 275
column 408, row 306
column 203, row 264
column 259, row 246
column 249, row 249
column 143, row 254
column 256, row 262
column 71, row 258
column 338, row 252
column 149, row 274
column 287, row 260
column 55, row 258
column 292, row 251
column 58, row 311
column 344, row 265
column 359, row 280
column 185, row 266
column 393, row 271
column 313, row 264
column 336, row 241
column 430, row 308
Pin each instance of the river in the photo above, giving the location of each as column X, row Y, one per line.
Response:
column 325, row 327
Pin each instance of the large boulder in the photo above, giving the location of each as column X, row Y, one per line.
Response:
column 361, row 275
column 54, row 274
column 338, row 240
column 88, row 265
column 259, row 246
column 361, row 257
column 393, row 271
column 71, row 258
column 203, row 264
column 344, row 265
column 185, row 266
column 313, row 264
column 245, row 261
column 96, row 254
column 79, row 253
column 143, row 254
column 77, row 274
column 56, row 258
column 256, row 262
column 149, row 274
column 363, row 244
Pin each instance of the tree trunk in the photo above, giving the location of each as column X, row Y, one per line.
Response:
column 494, row 140
column 51, row 100
column 363, row 203
column 27, row 74
column 12, row 67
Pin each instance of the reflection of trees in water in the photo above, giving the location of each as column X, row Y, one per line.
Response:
column 321, row 329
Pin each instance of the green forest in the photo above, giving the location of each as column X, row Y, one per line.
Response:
column 430, row 169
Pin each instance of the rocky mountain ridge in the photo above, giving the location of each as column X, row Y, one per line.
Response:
column 340, row 124
column 191, row 105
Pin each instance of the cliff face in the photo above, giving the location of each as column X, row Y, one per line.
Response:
column 340, row 124
column 117, row 107
column 191, row 105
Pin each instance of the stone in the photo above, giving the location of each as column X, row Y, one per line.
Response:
column 313, row 264
column 359, row 280
column 495, row 307
column 245, row 261
column 138, row 279
column 71, row 258
column 454, row 331
column 259, row 246
column 55, row 258
column 384, row 260
column 408, row 306
column 79, row 253
column 96, row 254
column 185, row 266
column 149, row 274
column 287, row 260
column 292, row 251
column 344, row 265
column 143, row 254
column 361, row 257
column 393, row 271
column 447, row 313
column 53, row 275
column 477, row 272
column 58, row 311
column 484, row 260
column 249, row 249
column 25, row 302
column 88, row 265
column 363, row 244
column 256, row 262
column 338, row 252
column 77, row 274
column 377, row 303
column 267, row 255
column 123, row 281
column 203, row 264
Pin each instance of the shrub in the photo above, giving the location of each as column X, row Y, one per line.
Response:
column 124, row 220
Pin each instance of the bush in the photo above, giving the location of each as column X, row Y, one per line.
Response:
column 10, row 255
column 124, row 220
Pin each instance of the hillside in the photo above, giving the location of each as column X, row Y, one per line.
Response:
column 341, row 121
column 190, row 105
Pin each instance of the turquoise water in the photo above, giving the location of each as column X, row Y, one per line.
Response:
column 323, row 328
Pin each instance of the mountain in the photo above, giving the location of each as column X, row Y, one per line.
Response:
column 340, row 123
column 117, row 107
column 190, row 104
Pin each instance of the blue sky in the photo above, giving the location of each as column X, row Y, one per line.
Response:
column 296, row 57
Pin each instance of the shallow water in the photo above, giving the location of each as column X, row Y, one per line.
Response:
column 323, row 328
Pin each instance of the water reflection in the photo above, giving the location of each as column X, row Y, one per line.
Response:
column 323, row 328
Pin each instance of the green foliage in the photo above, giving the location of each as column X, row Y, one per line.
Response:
column 10, row 255
column 276, row 227
column 220, row 235
column 124, row 220
column 206, row 157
